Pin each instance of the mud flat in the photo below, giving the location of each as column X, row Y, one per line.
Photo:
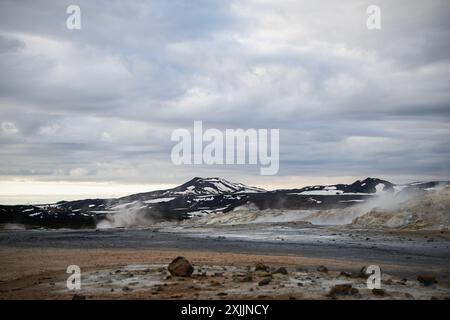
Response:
column 109, row 274
column 132, row 264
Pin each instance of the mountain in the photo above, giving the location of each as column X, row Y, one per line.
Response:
column 367, row 186
column 200, row 197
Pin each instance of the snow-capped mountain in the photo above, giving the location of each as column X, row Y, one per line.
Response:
column 364, row 187
column 211, row 186
column 198, row 187
column 202, row 196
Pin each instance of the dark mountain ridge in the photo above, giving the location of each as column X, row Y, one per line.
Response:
column 202, row 196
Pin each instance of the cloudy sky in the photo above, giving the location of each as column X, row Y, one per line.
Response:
column 91, row 111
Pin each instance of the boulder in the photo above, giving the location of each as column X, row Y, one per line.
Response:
column 181, row 267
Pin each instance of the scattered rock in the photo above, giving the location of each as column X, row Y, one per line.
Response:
column 322, row 269
column 181, row 267
column 342, row 289
column 265, row 281
column 426, row 280
column 246, row 278
column 281, row 270
column 361, row 274
column 261, row 267
column 126, row 288
column 344, row 274
column 379, row 292
column 222, row 294
column 78, row 297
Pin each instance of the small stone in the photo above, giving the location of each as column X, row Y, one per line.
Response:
column 426, row 280
column 379, row 292
column 281, row 270
column 78, row 297
column 342, row 289
column 246, row 278
column 261, row 267
column 265, row 281
column 322, row 269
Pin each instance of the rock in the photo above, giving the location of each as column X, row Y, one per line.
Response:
column 265, row 281
column 379, row 292
column 361, row 274
column 344, row 274
column 181, row 267
column 342, row 289
column 322, row 269
column 281, row 270
column 246, row 278
column 78, row 297
column 426, row 280
column 303, row 270
column 126, row 288
column 261, row 267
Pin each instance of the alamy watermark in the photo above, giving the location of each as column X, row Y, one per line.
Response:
column 373, row 21
column 74, row 280
column 73, row 21
column 234, row 146
column 374, row 279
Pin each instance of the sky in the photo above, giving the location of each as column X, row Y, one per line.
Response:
column 91, row 111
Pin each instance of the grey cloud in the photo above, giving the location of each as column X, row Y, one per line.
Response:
column 101, row 102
